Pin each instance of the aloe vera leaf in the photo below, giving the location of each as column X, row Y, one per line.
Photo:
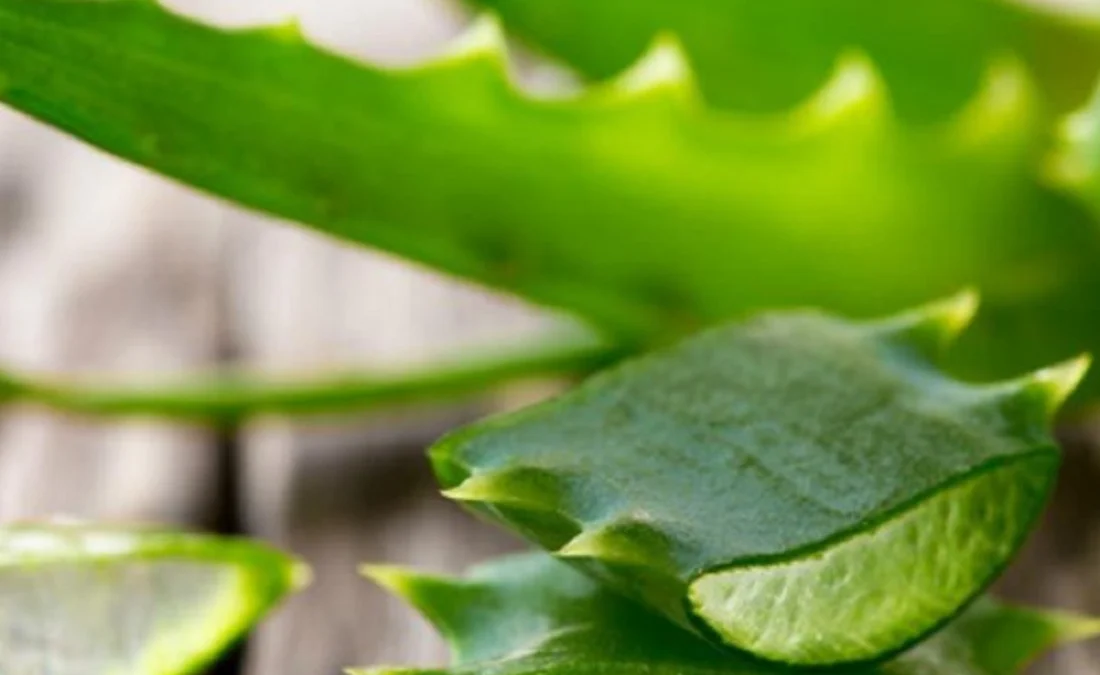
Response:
column 226, row 399
column 633, row 205
column 532, row 614
column 768, row 56
column 808, row 489
column 84, row 600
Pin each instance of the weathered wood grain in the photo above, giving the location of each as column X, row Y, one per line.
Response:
column 102, row 268
column 343, row 492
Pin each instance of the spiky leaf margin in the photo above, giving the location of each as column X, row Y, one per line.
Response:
column 766, row 56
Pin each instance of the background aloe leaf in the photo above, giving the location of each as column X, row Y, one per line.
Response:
column 633, row 205
column 225, row 398
column 768, row 56
column 532, row 614
column 78, row 600
column 807, row 489
column 1075, row 163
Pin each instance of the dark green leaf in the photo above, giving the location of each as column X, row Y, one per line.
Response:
column 807, row 489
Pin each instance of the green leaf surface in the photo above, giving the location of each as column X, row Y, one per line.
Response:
column 78, row 600
column 805, row 488
column 227, row 399
column 532, row 614
column 633, row 205
column 768, row 56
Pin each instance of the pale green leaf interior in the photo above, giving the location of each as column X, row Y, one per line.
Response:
column 129, row 618
column 881, row 588
column 76, row 600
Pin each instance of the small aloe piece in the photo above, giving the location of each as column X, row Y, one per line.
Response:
column 767, row 56
column 808, row 489
column 79, row 600
column 533, row 615
column 633, row 204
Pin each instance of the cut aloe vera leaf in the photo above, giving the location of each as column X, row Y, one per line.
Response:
column 806, row 488
column 82, row 600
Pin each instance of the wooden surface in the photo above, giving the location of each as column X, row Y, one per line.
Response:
column 106, row 268
column 102, row 267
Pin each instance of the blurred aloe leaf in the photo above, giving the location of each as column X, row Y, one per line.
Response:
column 227, row 399
column 1075, row 163
column 78, row 600
column 810, row 490
column 632, row 205
column 532, row 614
column 768, row 56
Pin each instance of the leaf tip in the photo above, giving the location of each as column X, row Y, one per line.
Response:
column 393, row 578
column 931, row 328
column 952, row 315
column 522, row 487
column 1053, row 385
column 854, row 93
column 1072, row 164
column 476, row 488
column 623, row 542
column 587, row 544
column 1000, row 111
column 483, row 40
column 290, row 31
column 664, row 69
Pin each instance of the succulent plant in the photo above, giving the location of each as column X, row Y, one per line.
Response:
column 773, row 486
column 808, row 489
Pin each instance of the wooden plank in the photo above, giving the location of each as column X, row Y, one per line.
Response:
column 340, row 493
column 360, row 494
column 102, row 268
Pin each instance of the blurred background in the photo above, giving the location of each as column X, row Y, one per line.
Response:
column 105, row 268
